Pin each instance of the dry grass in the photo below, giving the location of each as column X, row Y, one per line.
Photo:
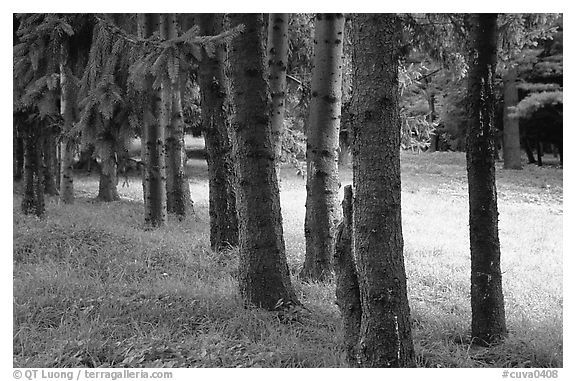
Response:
column 92, row 288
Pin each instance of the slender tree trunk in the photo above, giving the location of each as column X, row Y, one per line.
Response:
column 50, row 162
column 277, row 60
column 488, row 319
column 347, row 288
column 323, row 182
column 431, row 116
column 385, row 335
column 33, row 200
column 177, row 196
column 511, row 137
column 68, row 109
column 264, row 275
column 528, row 149
column 539, row 151
column 215, row 125
column 154, row 155
column 18, row 152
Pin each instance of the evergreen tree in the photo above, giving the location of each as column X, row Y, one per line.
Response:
column 177, row 188
column 277, row 48
column 214, row 89
column 263, row 270
column 488, row 316
column 37, row 73
column 385, row 338
column 322, row 212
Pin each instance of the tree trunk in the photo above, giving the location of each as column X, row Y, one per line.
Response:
column 154, row 147
column 385, row 335
column 323, row 182
column 108, row 184
column 539, row 151
column 69, row 112
column 488, row 320
column 177, row 197
column 18, row 152
column 431, row 116
column 33, row 200
column 263, row 271
column 347, row 289
column 50, row 161
column 277, row 60
column 215, row 125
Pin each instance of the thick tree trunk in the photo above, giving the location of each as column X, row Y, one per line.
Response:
column 215, row 125
column 69, row 112
column 154, row 147
column 511, row 137
column 488, row 320
column 277, row 60
column 108, row 184
column 385, row 335
column 50, row 162
column 177, row 196
column 323, row 182
column 264, row 276
column 33, row 200
column 347, row 288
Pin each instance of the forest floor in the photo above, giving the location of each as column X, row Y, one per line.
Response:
column 92, row 288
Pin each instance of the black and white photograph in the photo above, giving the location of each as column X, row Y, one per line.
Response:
column 287, row 190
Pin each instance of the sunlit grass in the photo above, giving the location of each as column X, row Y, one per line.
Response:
column 93, row 288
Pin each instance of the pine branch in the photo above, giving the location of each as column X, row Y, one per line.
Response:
column 190, row 37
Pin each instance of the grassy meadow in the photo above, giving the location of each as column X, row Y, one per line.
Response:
column 93, row 289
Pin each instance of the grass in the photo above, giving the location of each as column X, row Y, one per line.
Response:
column 93, row 289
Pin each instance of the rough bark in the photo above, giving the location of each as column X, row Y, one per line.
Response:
column 108, row 182
column 33, row 200
column 277, row 60
column 177, row 196
column 385, row 335
column 322, row 210
column 346, row 276
column 69, row 112
column 215, row 126
column 488, row 319
column 511, row 137
column 263, row 271
column 154, row 155
column 50, row 161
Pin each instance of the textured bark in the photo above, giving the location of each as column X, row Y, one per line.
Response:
column 347, row 288
column 488, row 319
column 177, row 196
column 322, row 210
column 108, row 183
column 385, row 335
column 69, row 112
column 277, row 60
column 215, row 126
column 33, row 200
column 154, row 155
column 511, row 136
column 263, row 271
column 50, row 161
